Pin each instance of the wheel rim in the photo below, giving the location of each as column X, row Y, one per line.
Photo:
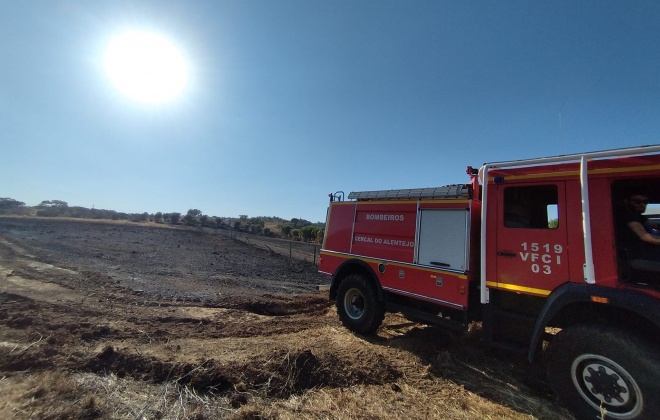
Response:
column 354, row 303
column 605, row 385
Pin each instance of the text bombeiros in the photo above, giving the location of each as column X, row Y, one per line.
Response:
column 385, row 217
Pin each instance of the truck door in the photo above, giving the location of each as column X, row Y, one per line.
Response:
column 531, row 238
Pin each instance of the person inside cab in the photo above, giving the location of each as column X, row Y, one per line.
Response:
column 640, row 236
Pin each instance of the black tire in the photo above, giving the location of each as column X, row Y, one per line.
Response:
column 358, row 306
column 603, row 372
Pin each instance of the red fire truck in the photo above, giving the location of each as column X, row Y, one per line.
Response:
column 534, row 250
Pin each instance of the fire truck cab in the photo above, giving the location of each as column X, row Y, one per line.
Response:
column 536, row 251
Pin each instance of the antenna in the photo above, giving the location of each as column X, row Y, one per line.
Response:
column 561, row 129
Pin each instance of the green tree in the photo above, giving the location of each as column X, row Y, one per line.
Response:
column 254, row 225
column 8, row 203
column 192, row 217
column 286, row 230
column 158, row 217
column 319, row 235
column 298, row 223
column 11, row 206
column 53, row 208
column 53, row 203
column 308, row 232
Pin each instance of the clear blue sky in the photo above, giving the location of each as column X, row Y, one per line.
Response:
column 288, row 101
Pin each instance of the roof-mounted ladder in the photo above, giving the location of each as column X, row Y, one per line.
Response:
column 454, row 191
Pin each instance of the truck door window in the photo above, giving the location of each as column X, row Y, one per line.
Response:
column 531, row 207
column 638, row 261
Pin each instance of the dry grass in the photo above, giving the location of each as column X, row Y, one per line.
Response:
column 59, row 395
column 325, row 373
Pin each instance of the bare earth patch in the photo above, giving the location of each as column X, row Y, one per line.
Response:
column 112, row 320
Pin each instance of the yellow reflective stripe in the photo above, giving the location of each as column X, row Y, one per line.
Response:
column 627, row 169
column 517, row 288
column 397, row 201
column 576, row 173
column 430, row 270
column 394, row 264
column 491, row 179
column 386, row 202
column 423, row 200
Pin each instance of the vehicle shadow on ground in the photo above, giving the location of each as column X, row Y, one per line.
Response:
column 504, row 378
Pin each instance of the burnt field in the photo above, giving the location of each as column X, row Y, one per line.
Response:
column 124, row 320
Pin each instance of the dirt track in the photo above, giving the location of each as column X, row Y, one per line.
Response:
column 110, row 320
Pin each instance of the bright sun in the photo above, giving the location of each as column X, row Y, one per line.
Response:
column 146, row 67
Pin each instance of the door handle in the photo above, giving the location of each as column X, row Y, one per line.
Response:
column 440, row 264
column 506, row 254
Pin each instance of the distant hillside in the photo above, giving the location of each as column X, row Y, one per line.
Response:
column 298, row 229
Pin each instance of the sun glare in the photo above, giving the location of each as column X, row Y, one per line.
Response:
column 146, row 67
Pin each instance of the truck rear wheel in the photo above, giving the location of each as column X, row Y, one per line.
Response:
column 602, row 372
column 358, row 306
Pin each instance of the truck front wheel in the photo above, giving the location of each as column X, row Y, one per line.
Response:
column 602, row 372
column 358, row 306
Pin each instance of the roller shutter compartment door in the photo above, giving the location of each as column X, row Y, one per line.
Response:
column 443, row 239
